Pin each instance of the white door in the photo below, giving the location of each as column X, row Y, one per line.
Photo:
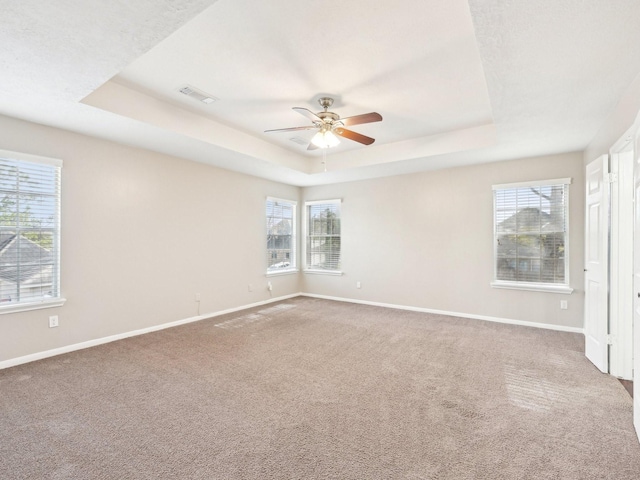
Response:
column 636, row 285
column 596, row 267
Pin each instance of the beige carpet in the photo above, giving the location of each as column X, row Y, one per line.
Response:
column 317, row 389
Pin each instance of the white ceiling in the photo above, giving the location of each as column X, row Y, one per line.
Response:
column 457, row 82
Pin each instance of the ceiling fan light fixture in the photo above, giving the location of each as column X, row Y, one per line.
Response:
column 325, row 139
column 329, row 124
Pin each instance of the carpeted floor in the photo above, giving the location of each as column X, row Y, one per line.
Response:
column 311, row 388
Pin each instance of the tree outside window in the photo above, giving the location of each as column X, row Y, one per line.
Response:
column 281, row 238
column 29, row 231
column 323, row 236
column 530, row 233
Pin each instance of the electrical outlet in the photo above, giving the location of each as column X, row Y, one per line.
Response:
column 53, row 321
column 564, row 305
column 197, row 297
column 250, row 287
column 269, row 286
column 358, row 285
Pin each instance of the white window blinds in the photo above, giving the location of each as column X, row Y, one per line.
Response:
column 531, row 232
column 281, row 235
column 29, row 229
column 323, row 235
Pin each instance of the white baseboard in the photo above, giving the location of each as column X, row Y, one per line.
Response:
column 12, row 362
column 509, row 321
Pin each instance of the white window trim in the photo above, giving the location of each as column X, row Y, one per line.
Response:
column 321, row 202
column 282, row 272
column 306, row 269
column 25, row 157
column 534, row 287
column 539, row 183
column 323, row 272
column 286, row 200
column 43, row 302
column 294, row 240
column 24, row 307
column 563, row 288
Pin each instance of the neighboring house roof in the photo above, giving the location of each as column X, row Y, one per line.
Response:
column 530, row 219
column 524, row 221
column 33, row 260
column 5, row 239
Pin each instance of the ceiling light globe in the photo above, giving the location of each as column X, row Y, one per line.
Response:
column 325, row 139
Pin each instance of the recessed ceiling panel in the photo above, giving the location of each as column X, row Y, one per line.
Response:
column 418, row 66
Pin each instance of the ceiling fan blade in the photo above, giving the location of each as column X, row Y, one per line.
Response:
column 356, row 137
column 312, row 147
column 308, row 113
column 364, row 118
column 292, row 129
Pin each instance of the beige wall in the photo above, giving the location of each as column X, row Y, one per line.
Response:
column 426, row 240
column 141, row 234
column 619, row 121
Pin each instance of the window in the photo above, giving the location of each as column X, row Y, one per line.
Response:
column 29, row 231
column 323, row 236
column 281, row 236
column 531, row 235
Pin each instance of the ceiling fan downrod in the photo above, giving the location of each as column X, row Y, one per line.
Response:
column 325, row 102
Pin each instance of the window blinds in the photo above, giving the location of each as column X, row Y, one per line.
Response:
column 323, row 235
column 530, row 232
column 281, row 237
column 29, row 229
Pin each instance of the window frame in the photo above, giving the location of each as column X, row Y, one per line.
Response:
column 42, row 302
column 307, row 268
column 549, row 287
column 293, row 267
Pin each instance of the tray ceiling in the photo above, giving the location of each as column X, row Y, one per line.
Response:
column 456, row 82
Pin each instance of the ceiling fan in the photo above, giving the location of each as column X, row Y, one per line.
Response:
column 330, row 124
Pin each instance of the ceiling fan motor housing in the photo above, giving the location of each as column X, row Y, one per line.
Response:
column 329, row 117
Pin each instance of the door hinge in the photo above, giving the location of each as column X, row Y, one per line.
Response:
column 609, row 339
column 611, row 177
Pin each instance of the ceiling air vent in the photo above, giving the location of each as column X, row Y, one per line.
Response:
column 299, row 141
column 197, row 94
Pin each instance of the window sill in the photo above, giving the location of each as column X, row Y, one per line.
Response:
column 534, row 287
column 23, row 307
column 282, row 272
column 324, row 272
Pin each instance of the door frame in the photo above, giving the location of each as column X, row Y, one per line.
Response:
column 620, row 252
column 635, row 132
column 632, row 135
